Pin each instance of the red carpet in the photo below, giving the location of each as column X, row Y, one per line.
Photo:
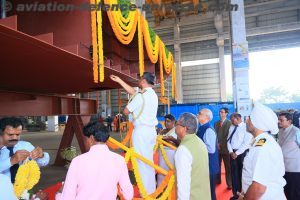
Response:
column 221, row 190
column 52, row 191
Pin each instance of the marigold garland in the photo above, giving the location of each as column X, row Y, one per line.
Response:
column 167, row 59
column 128, row 154
column 124, row 141
column 174, row 81
column 162, row 83
column 100, row 44
column 156, row 146
column 163, row 152
column 94, row 42
column 165, row 189
column 124, row 31
column 34, row 175
column 97, row 41
column 124, row 26
column 21, row 180
column 152, row 50
column 141, row 48
column 27, row 177
column 167, row 183
column 138, row 177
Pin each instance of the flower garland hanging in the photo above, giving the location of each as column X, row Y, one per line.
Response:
column 174, row 81
column 167, row 59
column 27, row 177
column 141, row 47
column 100, row 44
column 151, row 47
column 123, row 28
column 161, row 70
column 97, row 41
column 94, row 43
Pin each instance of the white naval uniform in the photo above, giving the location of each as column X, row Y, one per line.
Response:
column 264, row 165
column 144, row 134
column 170, row 154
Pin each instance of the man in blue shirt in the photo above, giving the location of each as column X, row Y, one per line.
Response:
column 15, row 151
column 208, row 135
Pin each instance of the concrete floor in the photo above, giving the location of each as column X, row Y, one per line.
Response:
column 50, row 141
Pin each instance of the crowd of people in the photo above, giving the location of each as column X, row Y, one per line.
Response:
column 256, row 165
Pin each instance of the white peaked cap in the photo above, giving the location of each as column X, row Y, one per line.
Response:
column 264, row 119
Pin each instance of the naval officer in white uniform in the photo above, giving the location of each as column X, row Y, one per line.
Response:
column 143, row 108
column 263, row 169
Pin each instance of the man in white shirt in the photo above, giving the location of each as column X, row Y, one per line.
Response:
column 143, row 108
column 263, row 169
column 15, row 150
column 238, row 143
column 191, row 161
column 7, row 190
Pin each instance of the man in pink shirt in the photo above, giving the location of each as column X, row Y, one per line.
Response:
column 95, row 175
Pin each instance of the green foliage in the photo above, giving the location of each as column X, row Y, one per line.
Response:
column 68, row 153
column 125, row 13
column 152, row 35
column 274, row 95
column 278, row 94
column 167, row 51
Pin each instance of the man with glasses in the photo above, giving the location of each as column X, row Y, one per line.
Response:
column 238, row 143
column 191, row 161
column 208, row 135
column 263, row 169
column 289, row 141
column 222, row 129
column 142, row 109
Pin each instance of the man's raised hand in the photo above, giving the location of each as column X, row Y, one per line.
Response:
column 115, row 78
column 37, row 153
column 19, row 156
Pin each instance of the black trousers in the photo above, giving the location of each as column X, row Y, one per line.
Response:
column 212, row 178
column 226, row 159
column 109, row 127
column 236, row 167
column 292, row 187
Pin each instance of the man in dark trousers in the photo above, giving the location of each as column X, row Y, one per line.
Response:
column 222, row 129
column 238, row 143
column 208, row 135
column 289, row 141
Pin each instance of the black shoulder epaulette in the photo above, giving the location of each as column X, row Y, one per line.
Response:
column 261, row 142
